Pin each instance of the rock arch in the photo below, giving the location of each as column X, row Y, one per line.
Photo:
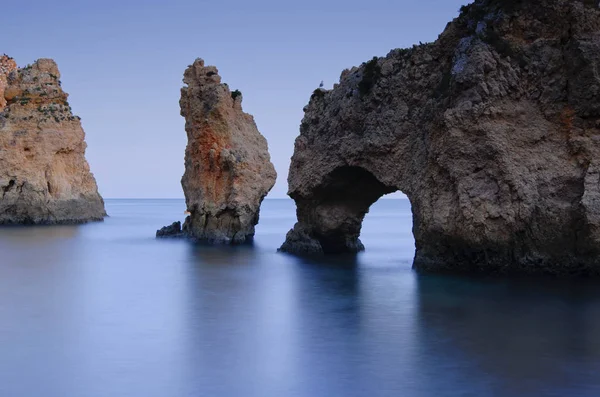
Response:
column 491, row 131
column 337, row 208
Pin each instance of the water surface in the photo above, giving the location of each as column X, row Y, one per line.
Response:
column 104, row 309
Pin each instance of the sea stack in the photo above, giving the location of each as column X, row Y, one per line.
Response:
column 44, row 176
column 228, row 169
column 492, row 131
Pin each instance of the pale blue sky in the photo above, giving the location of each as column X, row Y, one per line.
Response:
column 122, row 64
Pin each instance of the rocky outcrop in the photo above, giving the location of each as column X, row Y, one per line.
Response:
column 228, row 170
column 44, row 177
column 492, row 131
column 7, row 65
column 173, row 230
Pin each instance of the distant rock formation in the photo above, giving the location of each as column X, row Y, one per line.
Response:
column 492, row 131
column 44, row 177
column 228, row 170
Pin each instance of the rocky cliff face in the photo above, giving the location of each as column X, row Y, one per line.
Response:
column 228, row 170
column 492, row 131
column 7, row 65
column 44, row 177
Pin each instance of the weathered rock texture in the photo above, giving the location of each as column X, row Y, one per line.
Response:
column 228, row 170
column 7, row 65
column 44, row 177
column 492, row 131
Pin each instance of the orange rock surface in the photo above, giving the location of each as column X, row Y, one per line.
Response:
column 44, row 176
column 7, row 65
column 228, row 170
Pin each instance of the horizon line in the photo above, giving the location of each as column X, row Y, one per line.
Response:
column 183, row 198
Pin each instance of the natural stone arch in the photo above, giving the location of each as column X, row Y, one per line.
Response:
column 492, row 132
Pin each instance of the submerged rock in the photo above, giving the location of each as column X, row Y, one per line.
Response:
column 44, row 176
column 492, row 131
column 228, row 170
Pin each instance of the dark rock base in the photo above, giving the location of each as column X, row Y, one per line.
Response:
column 173, row 230
column 298, row 241
column 176, row 230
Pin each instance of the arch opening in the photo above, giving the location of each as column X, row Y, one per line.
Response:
column 333, row 216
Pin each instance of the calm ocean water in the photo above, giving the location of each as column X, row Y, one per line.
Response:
column 106, row 310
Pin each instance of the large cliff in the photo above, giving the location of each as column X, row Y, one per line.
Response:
column 492, row 131
column 228, row 170
column 44, row 177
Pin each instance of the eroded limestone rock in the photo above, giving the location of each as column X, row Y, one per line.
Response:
column 492, row 131
column 44, row 177
column 7, row 65
column 228, row 170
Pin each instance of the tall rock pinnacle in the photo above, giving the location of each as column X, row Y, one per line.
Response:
column 228, row 170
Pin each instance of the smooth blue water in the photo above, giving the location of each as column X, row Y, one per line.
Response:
column 104, row 309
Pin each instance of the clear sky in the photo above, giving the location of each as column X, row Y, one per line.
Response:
column 122, row 63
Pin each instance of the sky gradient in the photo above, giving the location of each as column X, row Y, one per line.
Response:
column 122, row 63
